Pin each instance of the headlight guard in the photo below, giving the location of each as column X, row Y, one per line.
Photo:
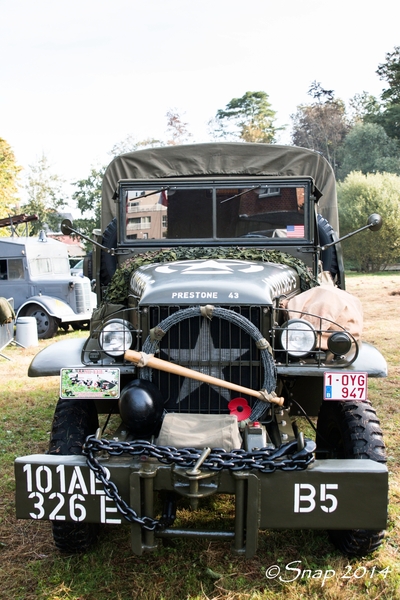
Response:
column 115, row 337
column 298, row 337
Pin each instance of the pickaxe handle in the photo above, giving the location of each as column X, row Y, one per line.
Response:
column 142, row 359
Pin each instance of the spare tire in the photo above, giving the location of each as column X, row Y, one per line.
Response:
column 108, row 263
column 329, row 256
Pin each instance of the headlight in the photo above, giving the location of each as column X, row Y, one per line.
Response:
column 116, row 337
column 298, row 337
column 339, row 343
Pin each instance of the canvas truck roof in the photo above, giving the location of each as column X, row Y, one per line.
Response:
column 222, row 159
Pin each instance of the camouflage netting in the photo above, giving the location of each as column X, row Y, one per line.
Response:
column 118, row 289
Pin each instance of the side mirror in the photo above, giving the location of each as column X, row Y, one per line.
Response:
column 374, row 222
column 66, row 227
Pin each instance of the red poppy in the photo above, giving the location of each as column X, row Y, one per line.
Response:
column 240, row 408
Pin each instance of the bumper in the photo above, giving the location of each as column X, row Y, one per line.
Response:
column 329, row 494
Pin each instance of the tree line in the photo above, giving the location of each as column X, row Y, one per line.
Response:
column 361, row 142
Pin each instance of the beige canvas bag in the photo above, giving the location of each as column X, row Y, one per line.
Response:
column 200, row 431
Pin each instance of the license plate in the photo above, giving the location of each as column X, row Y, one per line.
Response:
column 61, row 488
column 90, row 383
column 345, row 386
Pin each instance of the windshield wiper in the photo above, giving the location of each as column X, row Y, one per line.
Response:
column 166, row 189
column 257, row 187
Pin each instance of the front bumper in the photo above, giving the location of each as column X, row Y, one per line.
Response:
column 329, row 494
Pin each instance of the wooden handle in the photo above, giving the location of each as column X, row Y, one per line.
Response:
column 163, row 365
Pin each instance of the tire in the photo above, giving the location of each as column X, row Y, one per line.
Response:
column 80, row 325
column 46, row 324
column 73, row 422
column 328, row 256
column 108, row 263
column 88, row 265
column 351, row 430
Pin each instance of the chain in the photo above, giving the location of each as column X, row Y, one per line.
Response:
column 286, row 458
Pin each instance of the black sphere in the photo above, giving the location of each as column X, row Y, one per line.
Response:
column 141, row 407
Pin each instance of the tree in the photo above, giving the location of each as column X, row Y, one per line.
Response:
column 249, row 118
column 130, row 144
column 363, row 107
column 390, row 72
column 177, row 129
column 321, row 125
column 388, row 115
column 368, row 148
column 44, row 190
column 360, row 195
column 9, row 171
column 88, row 200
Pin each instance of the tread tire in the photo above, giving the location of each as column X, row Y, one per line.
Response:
column 108, row 263
column 47, row 325
column 73, row 422
column 352, row 430
column 328, row 256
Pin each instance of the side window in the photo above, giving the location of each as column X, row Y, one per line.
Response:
column 3, row 269
column 16, row 268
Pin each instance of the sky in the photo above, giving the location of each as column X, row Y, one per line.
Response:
column 78, row 77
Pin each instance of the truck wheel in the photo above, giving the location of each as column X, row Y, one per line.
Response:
column 73, row 422
column 351, row 430
column 46, row 324
column 108, row 263
column 328, row 256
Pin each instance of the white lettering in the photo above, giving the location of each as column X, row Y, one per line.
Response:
column 77, row 482
column 328, row 503
column 28, row 470
column 308, row 498
column 38, row 505
column 328, row 497
column 94, row 482
column 104, row 510
column 61, row 470
column 187, row 295
column 76, row 510
column 54, row 516
column 48, row 479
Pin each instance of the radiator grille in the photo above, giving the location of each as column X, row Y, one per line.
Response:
column 218, row 348
column 82, row 295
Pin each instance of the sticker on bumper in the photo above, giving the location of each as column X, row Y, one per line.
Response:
column 89, row 383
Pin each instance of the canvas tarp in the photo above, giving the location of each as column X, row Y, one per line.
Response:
column 220, row 159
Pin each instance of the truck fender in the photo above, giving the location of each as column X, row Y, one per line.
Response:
column 369, row 360
column 51, row 360
column 53, row 306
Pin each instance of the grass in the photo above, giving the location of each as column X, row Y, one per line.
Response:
column 31, row 567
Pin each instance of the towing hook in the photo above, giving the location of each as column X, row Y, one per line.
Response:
column 300, row 442
column 195, row 470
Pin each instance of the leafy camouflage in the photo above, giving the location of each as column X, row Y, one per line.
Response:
column 118, row 288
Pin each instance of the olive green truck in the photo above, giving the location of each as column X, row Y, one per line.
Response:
column 225, row 357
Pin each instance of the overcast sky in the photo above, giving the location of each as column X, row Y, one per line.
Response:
column 77, row 77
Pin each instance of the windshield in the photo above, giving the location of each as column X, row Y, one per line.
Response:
column 47, row 265
column 216, row 212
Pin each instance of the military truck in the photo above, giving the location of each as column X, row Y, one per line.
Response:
column 35, row 272
column 225, row 357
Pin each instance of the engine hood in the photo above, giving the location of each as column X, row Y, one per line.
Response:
column 213, row 282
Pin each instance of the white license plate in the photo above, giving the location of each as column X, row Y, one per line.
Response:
column 345, row 386
column 90, row 383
